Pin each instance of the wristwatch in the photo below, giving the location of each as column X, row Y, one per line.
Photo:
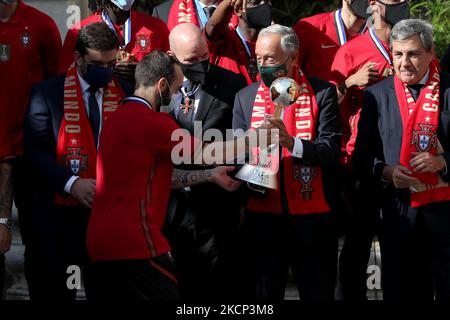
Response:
column 7, row 222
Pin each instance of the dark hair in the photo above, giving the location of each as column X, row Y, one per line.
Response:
column 97, row 36
column 99, row 5
column 154, row 66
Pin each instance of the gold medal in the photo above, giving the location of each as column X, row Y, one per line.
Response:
column 5, row 52
column 124, row 56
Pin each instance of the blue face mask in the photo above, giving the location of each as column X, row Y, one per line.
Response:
column 124, row 5
column 98, row 77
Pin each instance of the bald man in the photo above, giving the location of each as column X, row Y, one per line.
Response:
column 202, row 221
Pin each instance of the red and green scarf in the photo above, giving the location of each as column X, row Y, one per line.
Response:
column 302, row 184
column 76, row 149
column 420, row 124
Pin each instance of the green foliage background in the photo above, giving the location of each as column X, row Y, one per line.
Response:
column 437, row 12
column 288, row 12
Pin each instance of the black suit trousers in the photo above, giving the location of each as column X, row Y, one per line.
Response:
column 53, row 248
column 204, row 240
column 305, row 243
column 361, row 217
column 415, row 248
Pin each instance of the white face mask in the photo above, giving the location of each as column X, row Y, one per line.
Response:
column 124, row 5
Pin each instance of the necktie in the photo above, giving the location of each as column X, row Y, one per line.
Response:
column 209, row 11
column 415, row 90
column 94, row 114
column 186, row 112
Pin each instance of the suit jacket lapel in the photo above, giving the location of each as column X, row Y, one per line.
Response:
column 206, row 102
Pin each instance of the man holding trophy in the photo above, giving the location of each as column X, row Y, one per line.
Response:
column 290, row 221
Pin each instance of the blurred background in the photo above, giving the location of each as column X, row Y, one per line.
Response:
column 286, row 12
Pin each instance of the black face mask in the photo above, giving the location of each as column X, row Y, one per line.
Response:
column 259, row 17
column 196, row 72
column 395, row 12
column 359, row 8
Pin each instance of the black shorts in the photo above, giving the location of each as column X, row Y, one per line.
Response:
column 146, row 279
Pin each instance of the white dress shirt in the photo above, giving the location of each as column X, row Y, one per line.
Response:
column 297, row 150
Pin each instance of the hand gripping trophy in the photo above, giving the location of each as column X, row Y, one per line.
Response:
column 262, row 173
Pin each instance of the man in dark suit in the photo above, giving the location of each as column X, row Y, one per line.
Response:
column 62, row 126
column 445, row 61
column 205, row 217
column 162, row 11
column 403, row 146
column 293, row 225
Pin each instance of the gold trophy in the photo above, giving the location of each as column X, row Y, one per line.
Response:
column 283, row 92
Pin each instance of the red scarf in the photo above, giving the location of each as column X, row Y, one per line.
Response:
column 420, row 123
column 76, row 149
column 184, row 11
column 302, row 184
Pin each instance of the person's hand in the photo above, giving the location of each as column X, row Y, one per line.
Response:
column 265, row 134
column 125, row 71
column 219, row 176
column 5, row 238
column 425, row 162
column 367, row 74
column 400, row 176
column 84, row 191
column 285, row 139
column 238, row 5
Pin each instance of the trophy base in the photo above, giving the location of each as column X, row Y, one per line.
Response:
column 258, row 176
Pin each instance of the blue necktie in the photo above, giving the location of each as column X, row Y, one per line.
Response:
column 209, row 11
column 415, row 90
column 94, row 114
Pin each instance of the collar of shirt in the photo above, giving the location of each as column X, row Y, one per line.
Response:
column 179, row 101
column 85, row 86
column 203, row 6
column 425, row 78
column 85, row 91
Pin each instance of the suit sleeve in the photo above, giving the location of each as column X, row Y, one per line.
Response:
column 51, row 49
column 40, row 146
column 368, row 158
column 238, row 115
column 445, row 61
column 155, row 13
column 446, row 176
column 324, row 150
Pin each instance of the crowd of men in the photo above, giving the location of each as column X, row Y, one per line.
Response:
column 86, row 150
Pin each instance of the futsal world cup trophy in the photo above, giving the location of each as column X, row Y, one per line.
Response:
column 263, row 173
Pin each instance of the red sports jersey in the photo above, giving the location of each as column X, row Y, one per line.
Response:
column 134, row 174
column 30, row 46
column 349, row 59
column 230, row 53
column 147, row 34
column 319, row 42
